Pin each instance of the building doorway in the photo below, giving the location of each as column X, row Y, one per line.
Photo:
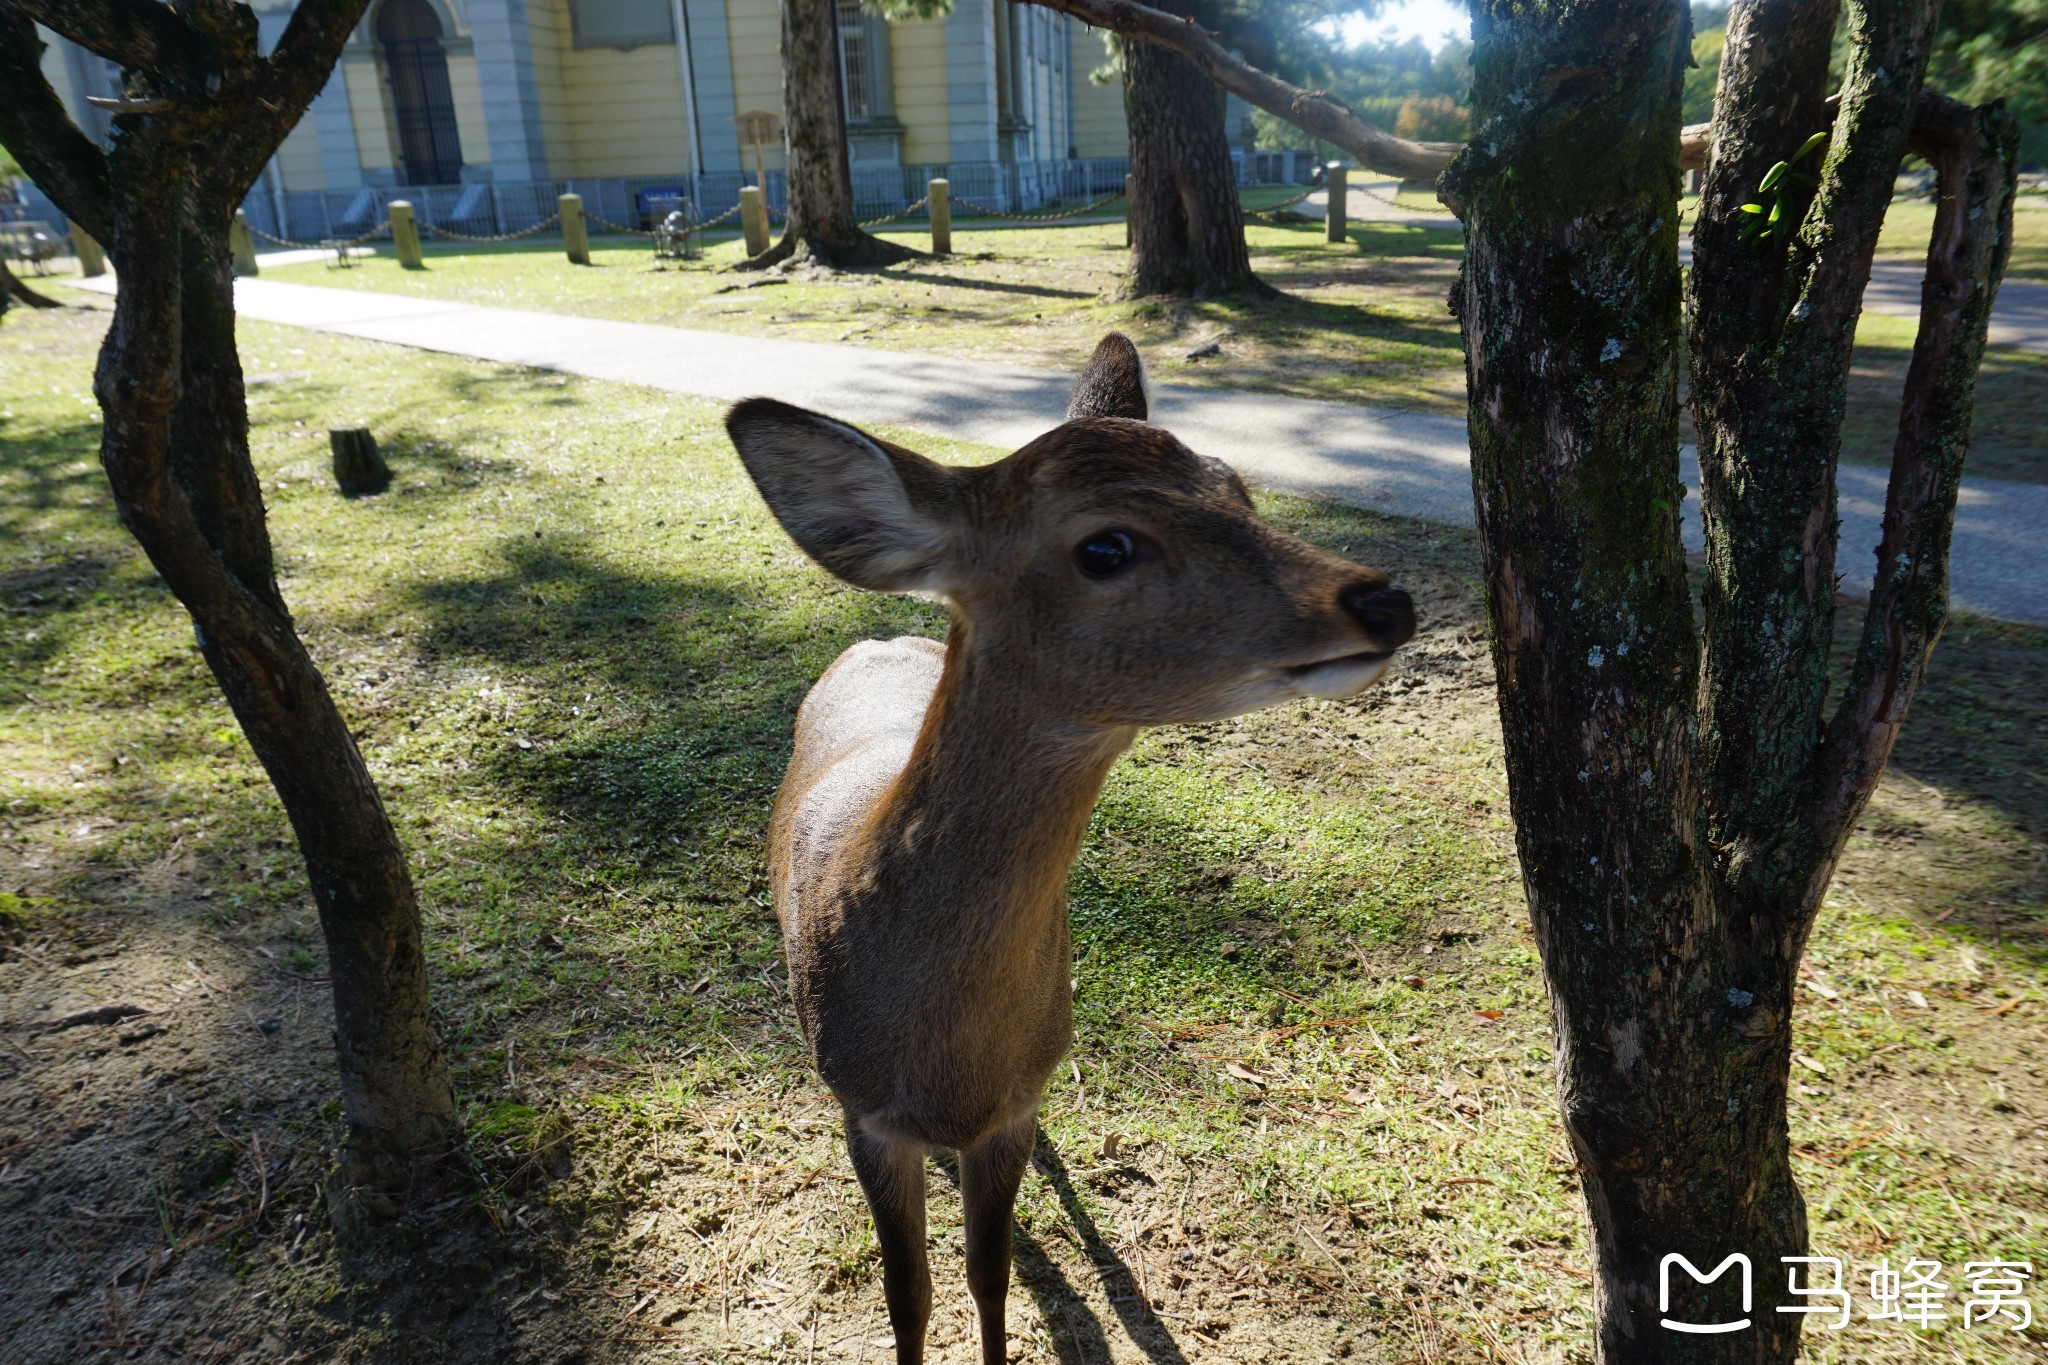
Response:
column 417, row 68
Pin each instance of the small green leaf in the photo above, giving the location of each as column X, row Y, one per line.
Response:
column 1810, row 144
column 1750, row 208
column 1777, row 211
column 1806, row 180
column 1773, row 176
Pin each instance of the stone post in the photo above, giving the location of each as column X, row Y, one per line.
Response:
column 241, row 245
column 575, row 232
column 941, row 210
column 754, row 219
column 405, row 235
column 92, row 262
column 1334, row 176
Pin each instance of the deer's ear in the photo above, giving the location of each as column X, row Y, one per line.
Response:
column 877, row 516
column 1113, row 385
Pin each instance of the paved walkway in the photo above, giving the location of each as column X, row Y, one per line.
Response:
column 1410, row 464
column 2019, row 320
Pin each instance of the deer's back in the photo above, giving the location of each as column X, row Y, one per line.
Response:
column 854, row 733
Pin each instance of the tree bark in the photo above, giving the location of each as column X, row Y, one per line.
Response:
column 1187, row 229
column 1569, row 302
column 821, row 225
column 1681, row 797
column 175, row 448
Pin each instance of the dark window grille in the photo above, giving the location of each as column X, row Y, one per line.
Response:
column 417, row 68
column 856, row 64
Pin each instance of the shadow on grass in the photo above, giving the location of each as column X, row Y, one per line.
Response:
column 2005, row 425
column 1978, row 731
column 993, row 286
column 1077, row 1334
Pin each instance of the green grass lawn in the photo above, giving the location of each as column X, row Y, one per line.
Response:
column 1910, row 223
column 1360, row 322
column 1309, row 1113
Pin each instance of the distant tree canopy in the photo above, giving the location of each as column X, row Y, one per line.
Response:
column 1402, row 87
column 1992, row 49
column 1983, row 50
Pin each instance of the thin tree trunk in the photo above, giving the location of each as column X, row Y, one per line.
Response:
column 1569, row 300
column 175, row 448
column 397, row 1098
column 1187, row 229
column 821, row 225
column 13, row 290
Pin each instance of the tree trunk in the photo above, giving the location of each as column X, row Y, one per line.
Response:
column 1569, row 302
column 176, row 451
column 13, row 290
column 1187, row 229
column 1679, row 808
column 821, row 225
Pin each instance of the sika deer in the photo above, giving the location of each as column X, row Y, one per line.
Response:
column 1100, row 579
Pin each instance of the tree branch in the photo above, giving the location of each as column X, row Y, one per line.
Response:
column 288, row 81
column 305, row 55
column 1313, row 112
column 67, row 164
column 1975, row 156
column 135, row 33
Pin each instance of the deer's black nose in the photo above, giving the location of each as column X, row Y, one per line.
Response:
column 1388, row 612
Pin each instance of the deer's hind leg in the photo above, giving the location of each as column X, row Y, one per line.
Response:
column 891, row 1174
column 989, row 1174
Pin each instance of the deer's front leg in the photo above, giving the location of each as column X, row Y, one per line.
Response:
column 989, row 1175
column 892, row 1176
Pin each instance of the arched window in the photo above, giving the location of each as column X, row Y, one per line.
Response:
column 410, row 33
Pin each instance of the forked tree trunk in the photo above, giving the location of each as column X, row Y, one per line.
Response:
column 1681, row 796
column 821, row 225
column 176, row 451
column 1187, row 229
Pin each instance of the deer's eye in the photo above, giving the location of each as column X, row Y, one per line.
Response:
column 1106, row 553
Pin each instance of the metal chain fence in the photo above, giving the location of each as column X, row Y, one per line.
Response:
column 332, row 244
column 1274, row 210
column 603, row 221
column 903, row 212
column 454, row 236
column 1090, row 207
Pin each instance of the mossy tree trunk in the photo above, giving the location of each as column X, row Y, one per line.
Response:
column 205, row 112
column 1680, row 792
column 1187, row 228
column 821, row 224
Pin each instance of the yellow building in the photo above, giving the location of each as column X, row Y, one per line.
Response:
column 481, row 111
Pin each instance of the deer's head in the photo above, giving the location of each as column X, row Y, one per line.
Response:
column 1118, row 576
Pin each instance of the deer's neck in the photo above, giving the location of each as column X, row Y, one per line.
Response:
column 989, row 812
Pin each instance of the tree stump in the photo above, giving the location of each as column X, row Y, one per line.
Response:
column 358, row 465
